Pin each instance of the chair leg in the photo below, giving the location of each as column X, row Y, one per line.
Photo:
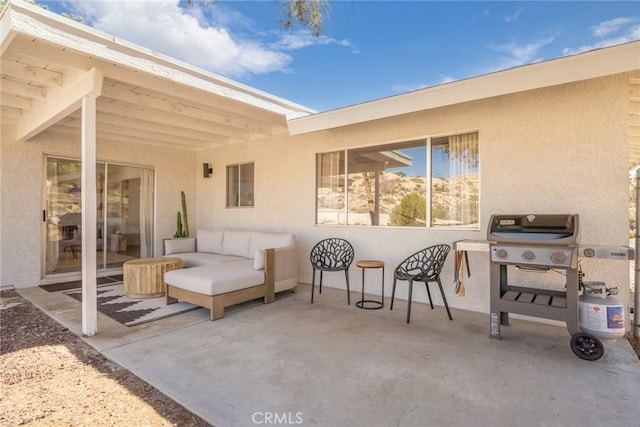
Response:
column 409, row 301
column 320, row 281
column 444, row 298
column 429, row 294
column 393, row 293
column 346, row 275
column 313, row 283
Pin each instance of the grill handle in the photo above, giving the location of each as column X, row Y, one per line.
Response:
column 532, row 269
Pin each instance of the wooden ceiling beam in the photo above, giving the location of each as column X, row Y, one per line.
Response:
column 133, row 111
column 223, row 98
column 60, row 105
column 137, row 133
column 14, row 87
column 165, row 127
column 225, row 101
column 16, row 101
column 29, row 73
column 111, row 136
column 182, row 108
column 10, row 114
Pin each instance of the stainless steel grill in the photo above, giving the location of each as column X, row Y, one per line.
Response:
column 541, row 243
column 533, row 242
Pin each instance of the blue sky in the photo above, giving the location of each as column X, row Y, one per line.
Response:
column 370, row 49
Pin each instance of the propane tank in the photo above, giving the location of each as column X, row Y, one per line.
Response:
column 600, row 314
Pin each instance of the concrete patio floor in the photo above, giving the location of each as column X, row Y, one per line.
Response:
column 329, row 364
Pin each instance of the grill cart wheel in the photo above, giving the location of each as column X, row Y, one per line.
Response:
column 587, row 347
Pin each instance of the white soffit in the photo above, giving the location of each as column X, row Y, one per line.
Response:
column 82, row 38
column 592, row 64
column 187, row 105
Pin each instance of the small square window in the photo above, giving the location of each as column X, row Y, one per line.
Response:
column 240, row 185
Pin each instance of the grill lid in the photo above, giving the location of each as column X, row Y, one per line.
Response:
column 534, row 229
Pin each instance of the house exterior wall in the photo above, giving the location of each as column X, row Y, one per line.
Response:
column 561, row 149
column 21, row 177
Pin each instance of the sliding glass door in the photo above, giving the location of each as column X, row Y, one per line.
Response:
column 124, row 215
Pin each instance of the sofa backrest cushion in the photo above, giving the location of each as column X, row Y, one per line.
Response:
column 210, row 241
column 261, row 241
column 178, row 246
column 237, row 243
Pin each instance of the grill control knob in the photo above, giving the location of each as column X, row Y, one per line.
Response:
column 502, row 254
column 558, row 258
column 528, row 256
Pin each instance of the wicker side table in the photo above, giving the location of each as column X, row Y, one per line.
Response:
column 144, row 277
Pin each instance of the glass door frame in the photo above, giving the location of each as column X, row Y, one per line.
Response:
column 102, row 167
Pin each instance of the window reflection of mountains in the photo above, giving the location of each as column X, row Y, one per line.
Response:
column 396, row 185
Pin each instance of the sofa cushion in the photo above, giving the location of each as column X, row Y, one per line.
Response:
column 176, row 246
column 236, row 243
column 261, row 240
column 258, row 259
column 210, row 241
column 196, row 259
column 216, row 279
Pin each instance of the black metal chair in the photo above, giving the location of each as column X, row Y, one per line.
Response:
column 332, row 254
column 423, row 266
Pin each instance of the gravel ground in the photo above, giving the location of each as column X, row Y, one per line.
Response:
column 50, row 376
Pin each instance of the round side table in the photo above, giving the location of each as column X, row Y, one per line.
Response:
column 369, row 304
column 144, row 277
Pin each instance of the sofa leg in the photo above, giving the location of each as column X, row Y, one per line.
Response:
column 217, row 310
column 171, row 300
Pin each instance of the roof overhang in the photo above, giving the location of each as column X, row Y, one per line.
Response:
column 588, row 65
column 142, row 97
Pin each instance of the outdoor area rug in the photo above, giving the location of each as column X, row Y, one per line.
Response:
column 77, row 284
column 113, row 302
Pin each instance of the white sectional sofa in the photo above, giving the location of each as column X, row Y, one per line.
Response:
column 224, row 268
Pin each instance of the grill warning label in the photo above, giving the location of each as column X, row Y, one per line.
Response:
column 601, row 318
column 615, row 317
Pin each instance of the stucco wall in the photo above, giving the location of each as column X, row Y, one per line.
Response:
column 21, row 225
column 556, row 150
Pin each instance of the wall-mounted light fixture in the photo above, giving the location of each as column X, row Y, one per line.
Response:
column 207, row 170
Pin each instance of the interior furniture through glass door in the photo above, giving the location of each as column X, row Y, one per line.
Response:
column 124, row 215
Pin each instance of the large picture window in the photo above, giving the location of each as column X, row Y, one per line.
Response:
column 431, row 182
column 240, row 185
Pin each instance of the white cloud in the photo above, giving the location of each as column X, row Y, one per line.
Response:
column 516, row 54
column 514, row 16
column 304, row 38
column 611, row 26
column 163, row 26
column 446, row 79
column 615, row 31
